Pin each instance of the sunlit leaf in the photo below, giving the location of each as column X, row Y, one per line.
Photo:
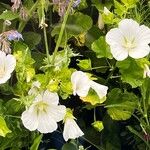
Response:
column 3, row 127
column 120, row 105
column 93, row 98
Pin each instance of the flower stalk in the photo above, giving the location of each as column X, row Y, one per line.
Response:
column 46, row 45
column 61, row 31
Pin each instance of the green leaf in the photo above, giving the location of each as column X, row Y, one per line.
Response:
column 131, row 72
column 93, row 34
column 101, row 48
column 85, row 64
column 129, row 3
column 119, row 8
column 108, row 18
column 100, row 5
column 93, row 98
column 3, row 127
column 120, row 106
column 76, row 24
column 83, row 4
column 8, row 15
column 31, row 39
column 13, row 107
column 69, row 146
column 36, row 142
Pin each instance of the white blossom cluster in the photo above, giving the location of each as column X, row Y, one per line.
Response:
column 128, row 39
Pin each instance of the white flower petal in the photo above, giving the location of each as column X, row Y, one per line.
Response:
column 46, row 123
column 51, row 98
column 101, row 90
column 30, row 119
column 119, row 53
column 7, row 65
column 5, row 78
column 128, row 27
column 11, row 63
column 38, row 98
column 57, row 112
column 139, row 52
column 80, row 83
column 34, row 88
column 114, row 37
column 71, row 130
column 144, row 35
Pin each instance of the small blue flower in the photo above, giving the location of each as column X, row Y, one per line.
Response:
column 14, row 35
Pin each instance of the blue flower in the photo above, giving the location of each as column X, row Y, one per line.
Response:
column 14, row 35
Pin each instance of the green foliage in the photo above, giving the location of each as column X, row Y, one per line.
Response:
column 101, row 48
column 121, row 105
column 36, row 143
column 32, row 39
column 67, row 45
column 93, row 98
column 85, row 64
column 100, row 5
column 9, row 15
column 76, row 24
column 24, row 69
column 4, row 130
column 131, row 72
column 129, row 3
column 70, row 145
column 145, row 90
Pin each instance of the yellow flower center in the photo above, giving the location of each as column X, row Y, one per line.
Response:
column 129, row 44
column 41, row 107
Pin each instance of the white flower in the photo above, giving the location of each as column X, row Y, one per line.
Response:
column 146, row 71
column 71, row 129
column 34, row 88
column 82, row 84
column 7, row 66
column 44, row 113
column 101, row 90
column 129, row 39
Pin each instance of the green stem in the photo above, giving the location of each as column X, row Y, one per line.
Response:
column 23, row 23
column 50, row 27
column 94, row 114
column 4, row 27
column 101, row 67
column 145, row 112
column 61, row 31
column 138, row 135
column 99, row 148
column 46, row 45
